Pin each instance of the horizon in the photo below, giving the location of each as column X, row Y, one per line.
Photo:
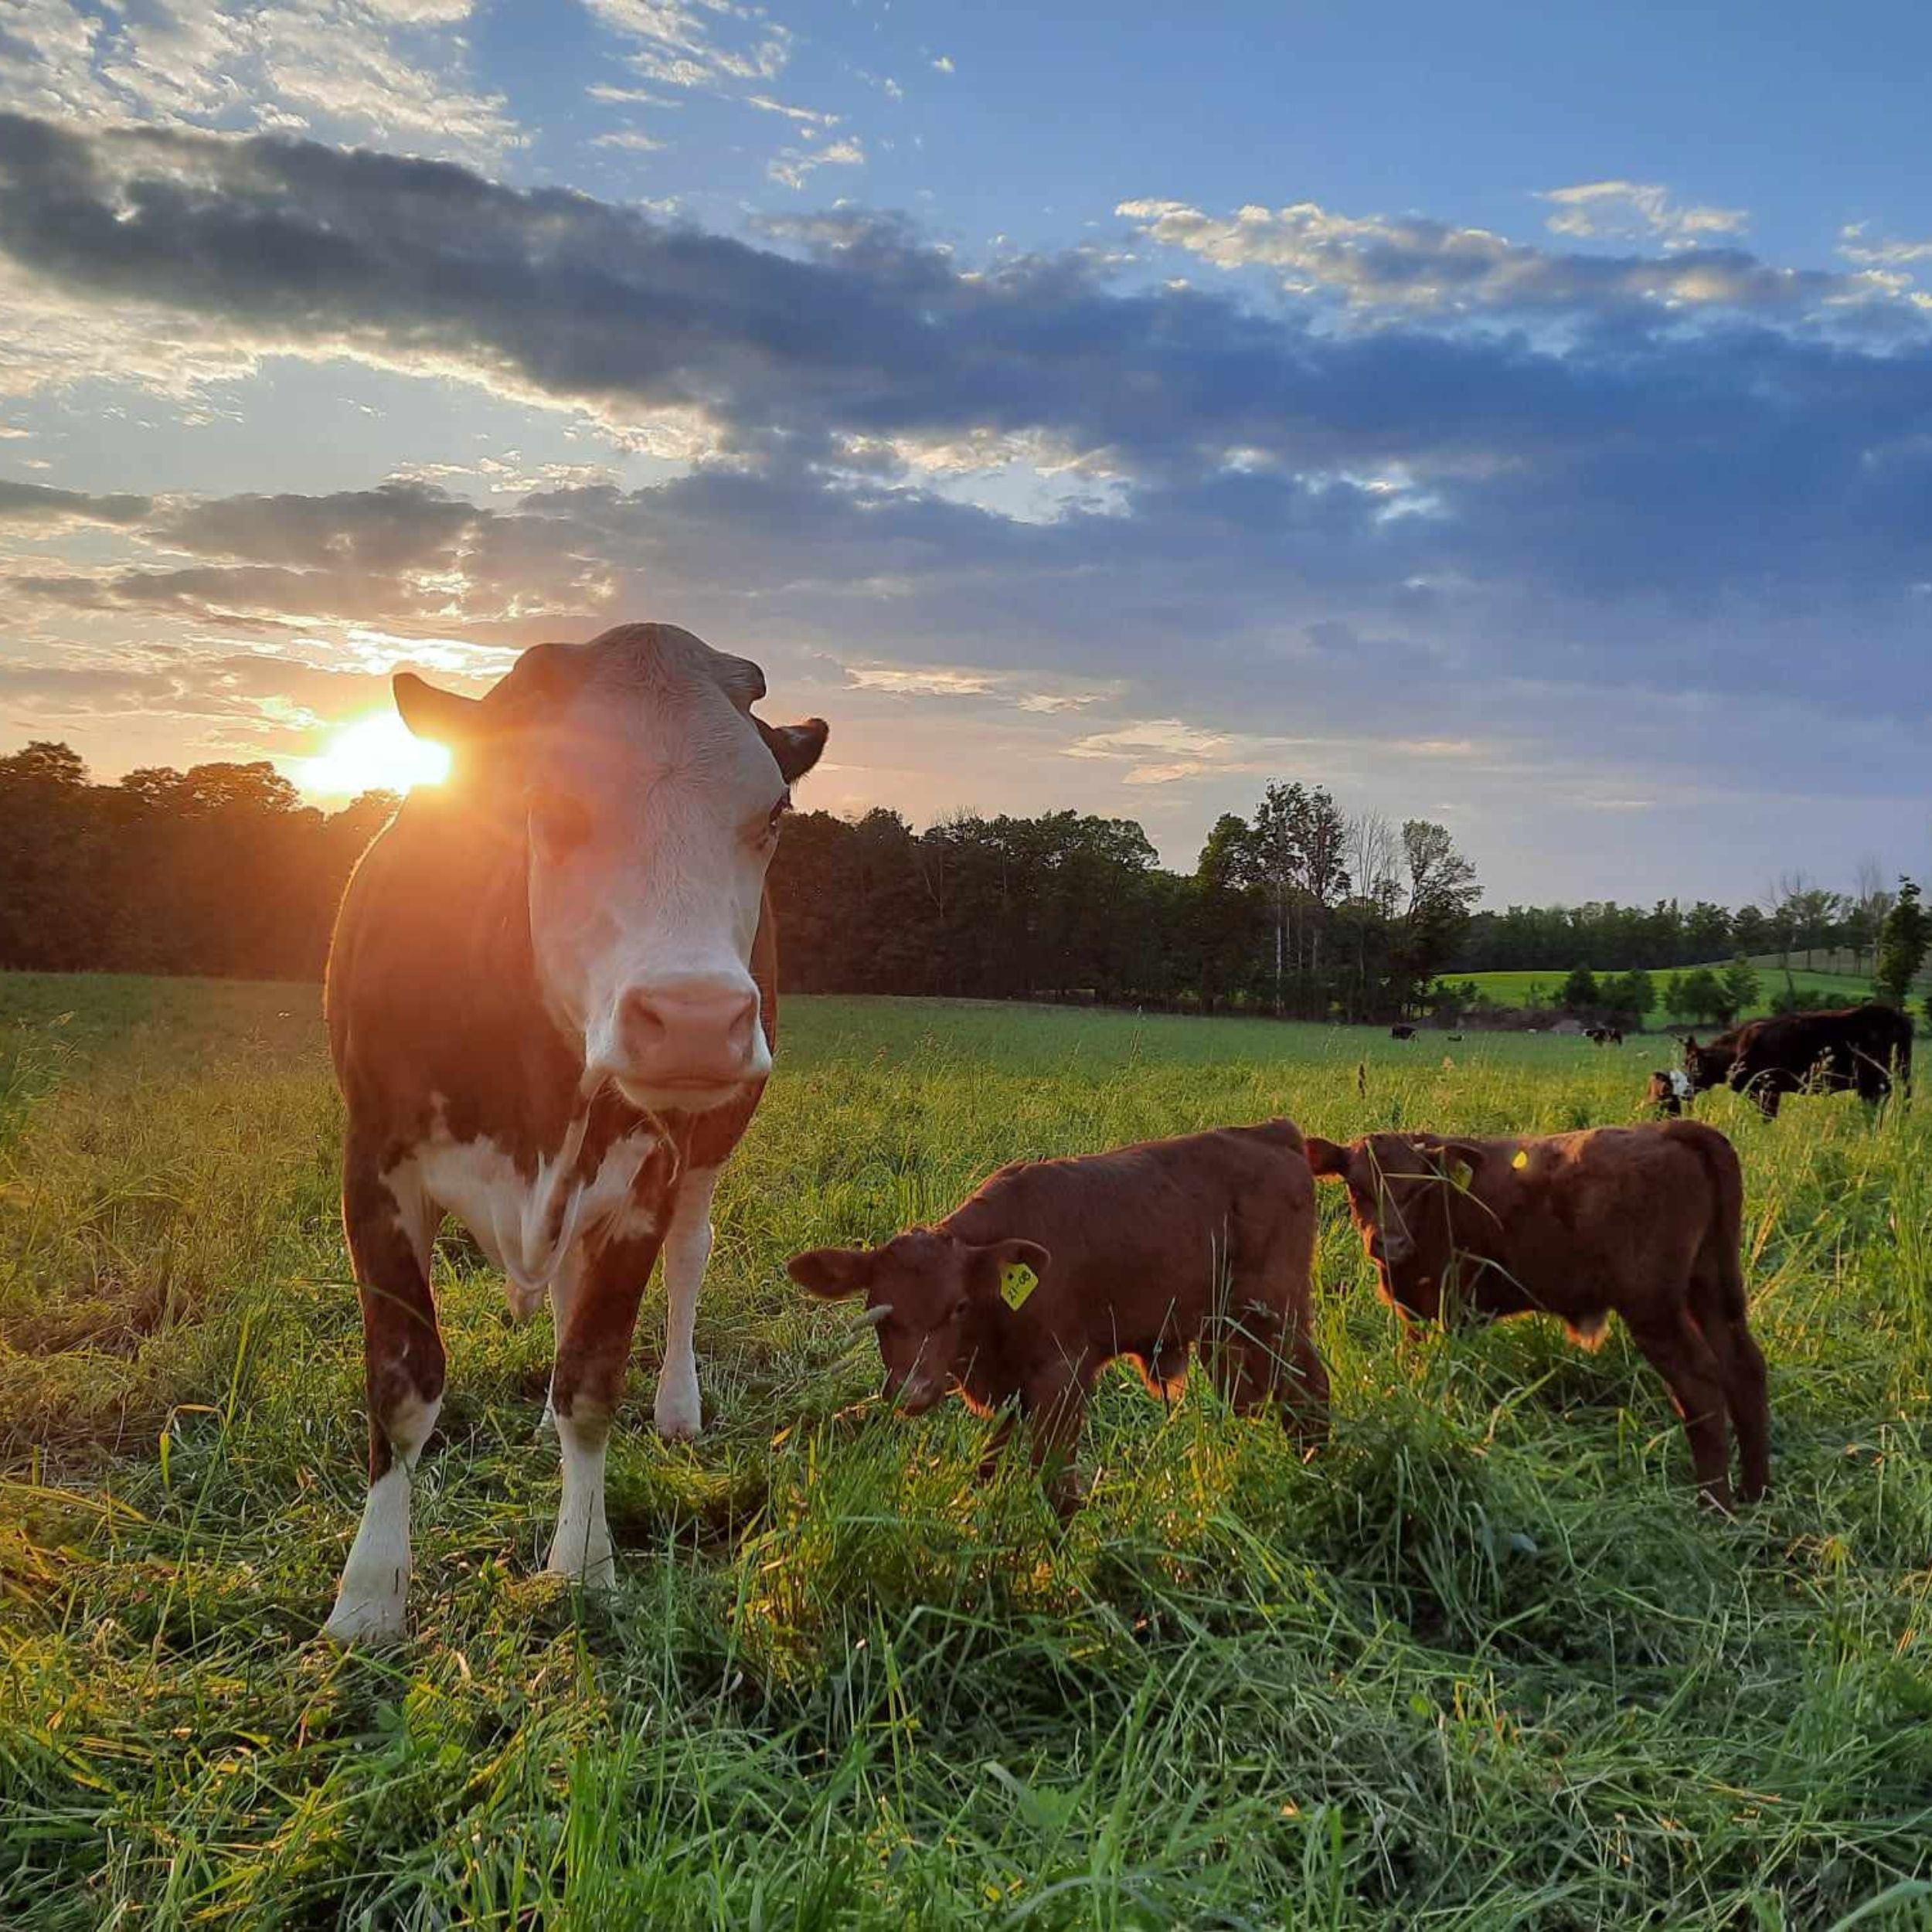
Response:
column 1549, row 456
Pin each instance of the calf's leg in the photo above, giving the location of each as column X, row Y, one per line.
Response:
column 687, row 1251
column 389, row 1230
column 1055, row 1402
column 585, row 1389
column 1679, row 1353
column 1740, row 1366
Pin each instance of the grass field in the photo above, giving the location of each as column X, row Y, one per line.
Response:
column 1522, row 988
column 1482, row 1662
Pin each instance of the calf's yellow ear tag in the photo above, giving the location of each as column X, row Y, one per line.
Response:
column 1523, row 1158
column 1016, row 1282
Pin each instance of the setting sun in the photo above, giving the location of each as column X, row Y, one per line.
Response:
column 374, row 753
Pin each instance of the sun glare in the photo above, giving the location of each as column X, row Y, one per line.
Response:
column 375, row 754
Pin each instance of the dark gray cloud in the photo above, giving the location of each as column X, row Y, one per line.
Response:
column 34, row 503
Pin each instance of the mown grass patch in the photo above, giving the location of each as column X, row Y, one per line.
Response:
column 1482, row 1661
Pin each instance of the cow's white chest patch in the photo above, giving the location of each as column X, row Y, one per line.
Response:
column 1680, row 1084
column 525, row 1224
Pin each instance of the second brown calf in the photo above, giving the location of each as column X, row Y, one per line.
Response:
column 1203, row 1241
column 1641, row 1221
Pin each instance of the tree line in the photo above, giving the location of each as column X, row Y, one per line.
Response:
column 1794, row 919
column 1299, row 910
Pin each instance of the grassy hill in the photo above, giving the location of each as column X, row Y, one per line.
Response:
column 1524, row 988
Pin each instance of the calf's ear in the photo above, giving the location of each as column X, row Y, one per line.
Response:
column 1018, row 1254
column 1460, row 1160
column 1326, row 1160
column 832, row 1274
column 796, row 747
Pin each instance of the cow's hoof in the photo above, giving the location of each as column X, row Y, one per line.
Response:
column 366, row 1623
column 591, row 1564
column 677, row 1412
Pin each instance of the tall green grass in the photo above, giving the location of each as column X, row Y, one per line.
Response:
column 1481, row 1662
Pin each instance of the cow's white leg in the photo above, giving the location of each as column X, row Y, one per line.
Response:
column 581, row 1547
column 390, row 1223
column 371, row 1598
column 687, row 1250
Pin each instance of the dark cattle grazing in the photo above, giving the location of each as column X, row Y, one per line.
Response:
column 1851, row 1047
column 1604, row 1036
column 551, row 1001
column 1402, row 1032
column 1204, row 1241
column 1642, row 1222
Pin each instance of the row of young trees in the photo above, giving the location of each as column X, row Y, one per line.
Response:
column 1794, row 919
column 223, row 870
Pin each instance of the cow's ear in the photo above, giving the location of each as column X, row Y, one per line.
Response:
column 833, row 1273
column 443, row 717
column 796, row 747
column 1326, row 1160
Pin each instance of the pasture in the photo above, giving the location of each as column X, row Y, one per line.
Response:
column 1483, row 1662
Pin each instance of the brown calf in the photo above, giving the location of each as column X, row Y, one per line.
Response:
column 1204, row 1241
column 1639, row 1221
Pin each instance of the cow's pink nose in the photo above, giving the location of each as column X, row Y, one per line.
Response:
column 688, row 1032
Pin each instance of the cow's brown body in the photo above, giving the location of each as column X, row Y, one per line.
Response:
column 1642, row 1222
column 1144, row 1253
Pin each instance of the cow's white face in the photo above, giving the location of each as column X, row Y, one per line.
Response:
column 651, row 801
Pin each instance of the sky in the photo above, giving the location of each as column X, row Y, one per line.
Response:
column 1517, row 418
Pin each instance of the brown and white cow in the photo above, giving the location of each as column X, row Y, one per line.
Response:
column 551, row 1001
column 1641, row 1221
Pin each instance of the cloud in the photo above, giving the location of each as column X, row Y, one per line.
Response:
column 792, row 165
column 805, row 117
column 1855, row 246
column 32, row 503
column 388, row 70
column 942, row 63
column 631, row 140
column 1424, row 266
column 711, row 43
column 1633, row 211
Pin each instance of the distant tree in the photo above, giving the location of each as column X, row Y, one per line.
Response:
column 1632, row 993
column 1904, row 941
column 1580, row 993
column 1441, row 891
column 1704, row 996
column 1741, row 984
column 1870, row 901
column 1674, row 994
column 1751, row 932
